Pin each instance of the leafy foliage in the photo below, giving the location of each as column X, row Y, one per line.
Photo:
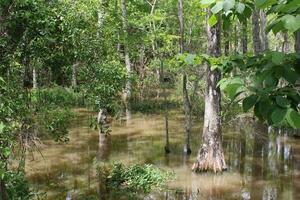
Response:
column 269, row 87
column 56, row 123
column 136, row 178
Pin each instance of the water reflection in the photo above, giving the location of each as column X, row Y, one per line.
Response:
column 261, row 165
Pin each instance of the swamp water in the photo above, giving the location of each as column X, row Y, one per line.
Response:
column 260, row 165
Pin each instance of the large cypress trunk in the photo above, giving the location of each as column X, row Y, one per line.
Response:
column 210, row 156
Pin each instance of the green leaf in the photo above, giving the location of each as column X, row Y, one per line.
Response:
column 290, row 75
column 213, row 67
column 232, row 90
column 263, row 109
column 190, row 59
column 278, row 115
column 290, row 6
column 207, row 2
column 249, row 102
column 271, row 81
column 6, row 152
column 212, row 20
column 293, row 118
column 282, row 102
column 291, row 23
column 217, row 8
column 232, row 86
column 276, row 26
column 228, row 5
column 240, row 7
column 264, row 3
column 277, row 57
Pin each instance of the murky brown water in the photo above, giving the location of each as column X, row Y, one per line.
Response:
column 261, row 166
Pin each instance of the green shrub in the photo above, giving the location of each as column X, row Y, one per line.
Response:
column 56, row 123
column 136, row 178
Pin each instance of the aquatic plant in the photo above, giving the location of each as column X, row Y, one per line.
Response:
column 135, row 178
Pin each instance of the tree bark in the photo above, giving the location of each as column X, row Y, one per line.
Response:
column 257, row 46
column 34, row 78
column 285, row 44
column 128, row 87
column 3, row 195
column 74, row 74
column 167, row 145
column 297, row 41
column 227, row 43
column 186, row 99
column 211, row 156
column 263, row 32
column 244, row 37
column 235, row 39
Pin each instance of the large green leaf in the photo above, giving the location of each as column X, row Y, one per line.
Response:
column 217, row 8
column 271, row 81
column 290, row 75
column 240, row 7
column 293, row 118
column 249, row 102
column 212, row 20
column 231, row 86
column 282, row 102
column 264, row 3
column 276, row 26
column 228, row 5
column 278, row 115
column 290, row 6
column 277, row 57
column 207, row 2
column 233, row 89
column 291, row 23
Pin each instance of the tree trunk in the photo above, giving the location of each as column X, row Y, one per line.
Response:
column 263, row 32
column 244, row 37
column 211, row 156
column 257, row 46
column 3, row 195
column 128, row 87
column 297, row 41
column 235, row 39
column 285, row 44
column 186, row 100
column 227, row 44
column 74, row 74
column 167, row 146
column 188, row 116
column 34, row 78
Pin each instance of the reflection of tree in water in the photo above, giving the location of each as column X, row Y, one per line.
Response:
column 296, row 170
